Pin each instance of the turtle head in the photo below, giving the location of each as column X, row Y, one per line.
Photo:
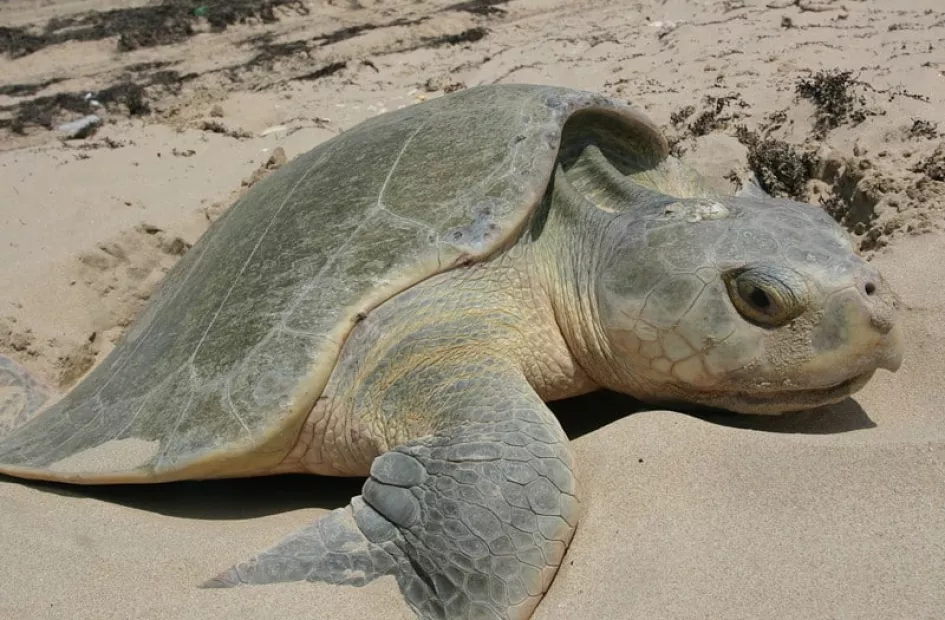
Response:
column 755, row 305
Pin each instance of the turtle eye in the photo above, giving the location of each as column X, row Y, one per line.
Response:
column 766, row 296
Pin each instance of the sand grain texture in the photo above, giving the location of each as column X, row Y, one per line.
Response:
column 835, row 513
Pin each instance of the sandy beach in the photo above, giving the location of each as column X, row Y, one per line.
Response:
column 833, row 513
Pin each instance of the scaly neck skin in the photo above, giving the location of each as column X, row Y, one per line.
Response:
column 539, row 347
column 566, row 257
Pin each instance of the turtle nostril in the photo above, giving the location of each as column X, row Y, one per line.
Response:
column 870, row 288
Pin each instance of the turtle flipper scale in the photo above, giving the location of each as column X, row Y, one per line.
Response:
column 21, row 396
column 473, row 521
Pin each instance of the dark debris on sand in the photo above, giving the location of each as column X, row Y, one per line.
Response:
column 349, row 32
column 835, row 98
column 164, row 23
column 781, row 169
column 933, row 166
column 480, row 7
column 922, row 129
column 27, row 89
column 713, row 114
column 127, row 97
column 470, row 35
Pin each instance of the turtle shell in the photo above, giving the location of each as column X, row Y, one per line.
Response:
column 217, row 375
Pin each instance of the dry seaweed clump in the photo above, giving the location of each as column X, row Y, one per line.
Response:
column 933, row 166
column 848, row 189
column 781, row 169
column 131, row 95
column 717, row 113
column 835, row 99
column 714, row 114
column 922, row 129
column 17, row 42
column 489, row 8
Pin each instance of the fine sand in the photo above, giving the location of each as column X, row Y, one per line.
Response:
column 834, row 513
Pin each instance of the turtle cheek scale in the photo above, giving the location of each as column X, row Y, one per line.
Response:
column 683, row 336
column 700, row 356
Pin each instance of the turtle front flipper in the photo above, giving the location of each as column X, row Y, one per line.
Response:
column 472, row 520
column 21, row 396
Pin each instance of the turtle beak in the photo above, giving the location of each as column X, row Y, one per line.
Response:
column 893, row 351
column 883, row 305
column 861, row 332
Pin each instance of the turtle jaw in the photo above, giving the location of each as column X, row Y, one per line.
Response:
column 771, row 402
column 776, row 402
column 805, row 391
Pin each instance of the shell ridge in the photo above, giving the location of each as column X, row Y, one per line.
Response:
column 231, row 407
column 305, row 290
column 180, row 418
column 249, row 258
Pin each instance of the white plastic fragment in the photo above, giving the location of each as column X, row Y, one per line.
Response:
column 81, row 128
column 273, row 129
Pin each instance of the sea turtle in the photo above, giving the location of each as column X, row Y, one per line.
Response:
column 401, row 301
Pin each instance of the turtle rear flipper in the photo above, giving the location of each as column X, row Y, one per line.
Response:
column 472, row 520
column 21, row 395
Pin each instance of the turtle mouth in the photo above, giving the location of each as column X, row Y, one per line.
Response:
column 772, row 401
column 798, row 398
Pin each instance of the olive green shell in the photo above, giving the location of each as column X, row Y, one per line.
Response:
column 217, row 375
